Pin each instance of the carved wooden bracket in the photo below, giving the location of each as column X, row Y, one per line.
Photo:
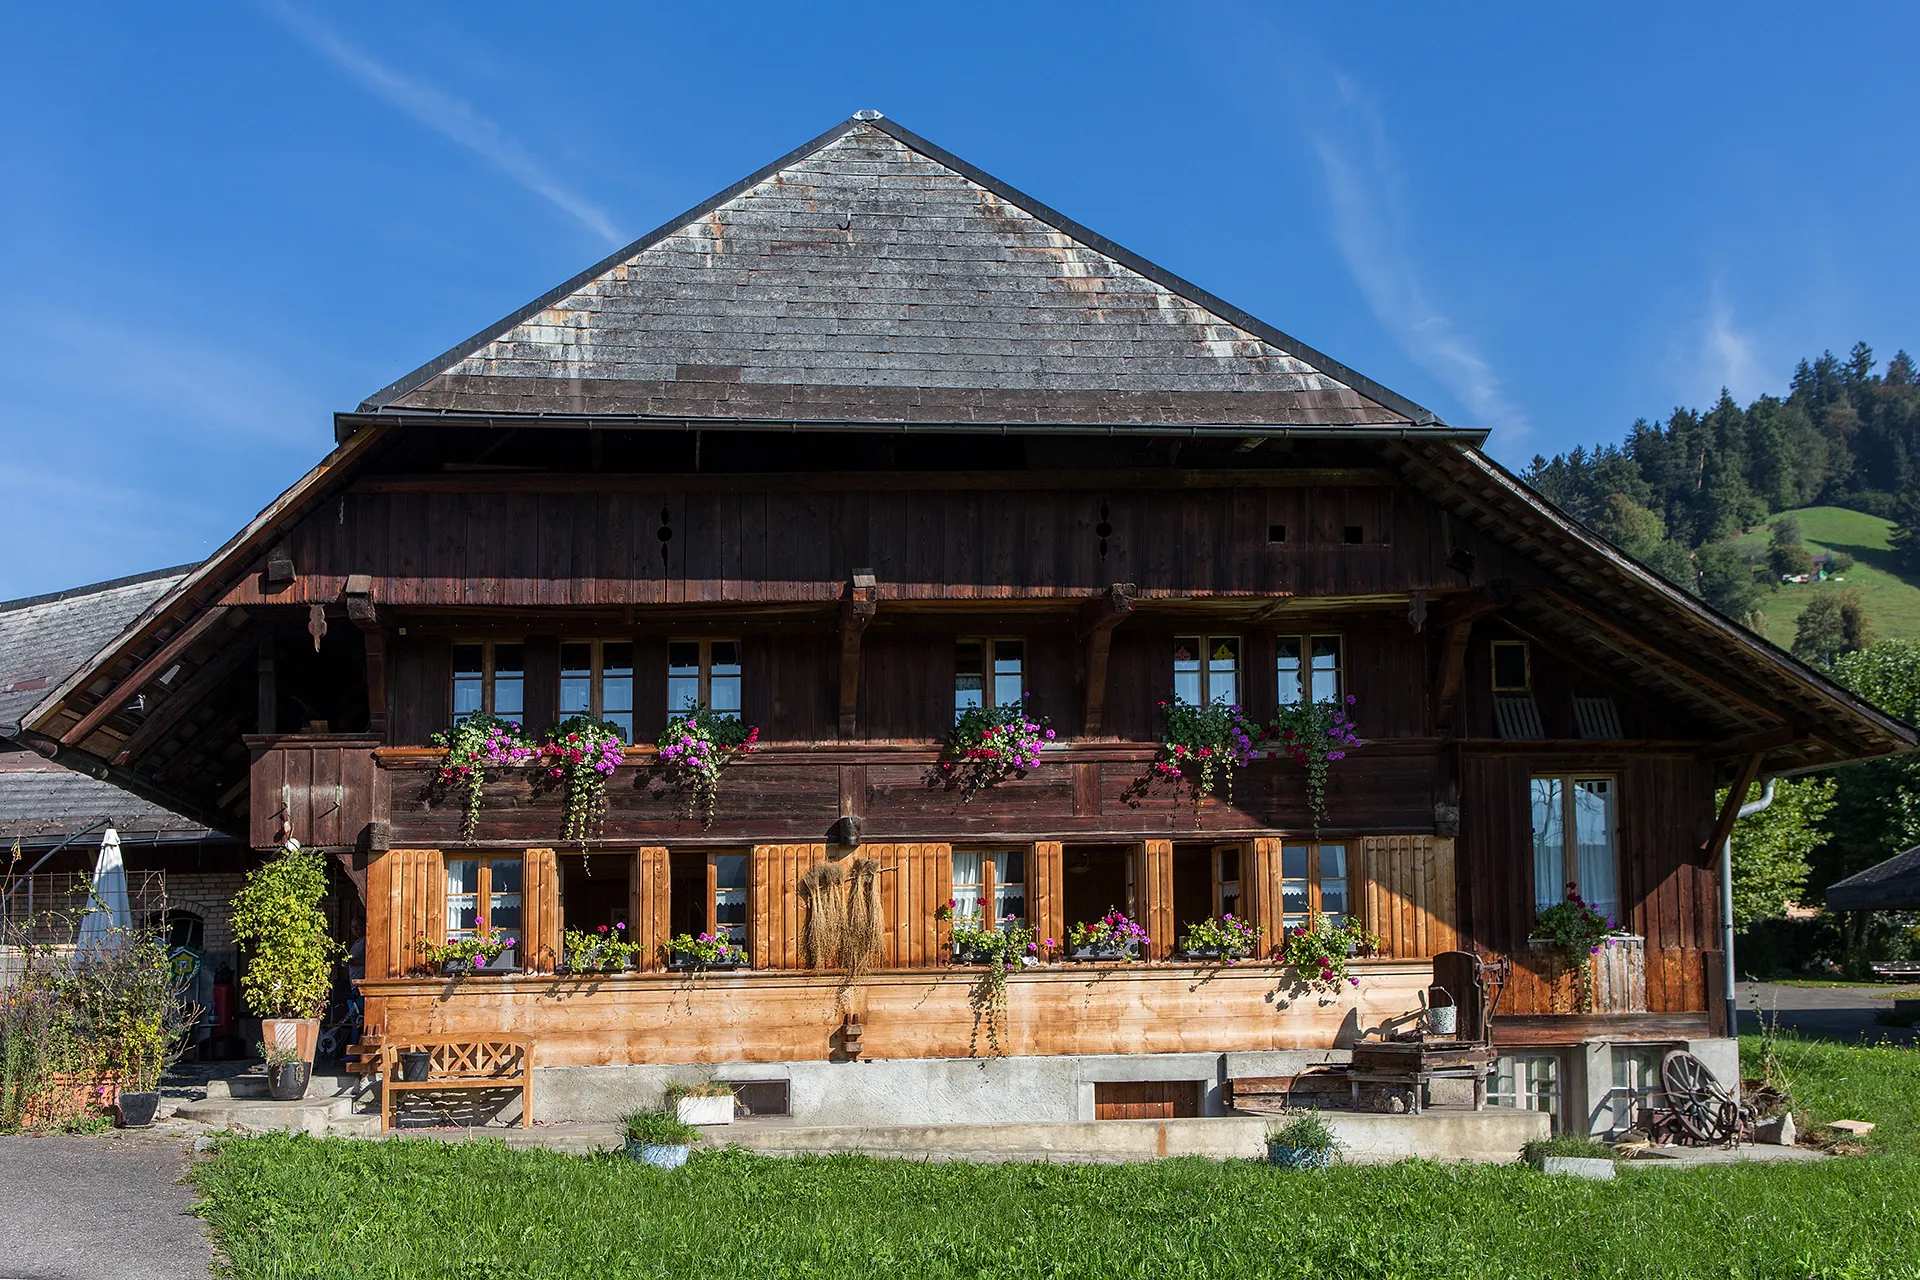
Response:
column 1095, row 627
column 856, row 611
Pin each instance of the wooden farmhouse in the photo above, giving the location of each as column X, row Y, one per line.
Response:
column 867, row 440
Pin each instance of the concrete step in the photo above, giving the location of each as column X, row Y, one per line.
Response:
column 252, row 1086
column 316, row 1114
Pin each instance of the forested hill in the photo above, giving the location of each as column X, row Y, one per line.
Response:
column 1678, row 495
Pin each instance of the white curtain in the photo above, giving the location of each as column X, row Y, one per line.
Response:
column 1549, row 843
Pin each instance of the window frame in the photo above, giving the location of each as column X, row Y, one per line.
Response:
column 989, row 881
column 1238, row 881
column 596, row 681
column 482, row 893
column 1526, row 665
column 1205, row 647
column 1569, row 780
column 988, row 676
column 705, row 697
column 1315, row 882
column 1525, row 1095
column 488, row 648
column 1303, row 673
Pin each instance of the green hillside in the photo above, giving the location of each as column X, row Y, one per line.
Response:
column 1892, row 601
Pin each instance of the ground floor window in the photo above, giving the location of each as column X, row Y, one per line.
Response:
column 1636, row 1085
column 1529, row 1082
column 707, row 893
column 1096, row 879
column 1313, row 881
column 996, row 880
column 483, row 897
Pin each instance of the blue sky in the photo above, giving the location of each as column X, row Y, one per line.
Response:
column 222, row 222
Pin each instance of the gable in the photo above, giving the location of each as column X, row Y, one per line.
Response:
column 872, row 277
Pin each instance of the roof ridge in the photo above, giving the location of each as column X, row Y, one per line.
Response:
column 72, row 593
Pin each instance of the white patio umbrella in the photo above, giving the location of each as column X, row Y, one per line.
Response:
column 111, row 913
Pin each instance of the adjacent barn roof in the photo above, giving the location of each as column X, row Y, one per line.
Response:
column 1893, row 885
column 45, row 638
column 871, row 277
column 40, row 800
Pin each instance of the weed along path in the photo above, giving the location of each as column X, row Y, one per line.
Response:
column 97, row 1208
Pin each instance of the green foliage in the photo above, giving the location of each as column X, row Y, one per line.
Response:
column 1003, row 949
column 1892, row 601
column 705, row 948
column 1876, row 807
column 1578, row 1146
column 1204, row 744
column 1878, row 1082
column 1319, row 954
column 581, row 753
column 1303, row 1130
column 695, row 748
column 1726, row 581
column 1830, row 626
column 596, row 950
column 1235, row 938
column 278, row 922
column 659, row 1129
column 697, row 1089
column 1771, row 848
column 293, row 1207
column 479, row 747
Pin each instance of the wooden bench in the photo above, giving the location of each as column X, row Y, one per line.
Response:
column 459, row 1063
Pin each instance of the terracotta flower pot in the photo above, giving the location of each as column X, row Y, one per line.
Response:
column 299, row 1034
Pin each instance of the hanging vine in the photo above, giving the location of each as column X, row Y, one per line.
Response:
column 581, row 753
column 480, row 746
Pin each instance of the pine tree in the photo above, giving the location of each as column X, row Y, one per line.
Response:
column 1831, row 625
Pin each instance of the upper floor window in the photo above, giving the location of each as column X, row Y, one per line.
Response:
column 988, row 673
column 596, row 679
column 483, row 897
column 1309, row 667
column 1313, row 881
column 703, row 673
column 489, row 676
column 1512, row 667
column 1206, row 669
column 1574, row 842
column 997, row 881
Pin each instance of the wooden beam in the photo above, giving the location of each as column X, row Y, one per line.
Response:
column 1095, row 629
column 192, row 693
column 1736, row 796
column 862, row 601
column 1666, row 655
column 1453, row 670
column 1765, row 740
column 266, row 716
column 163, row 658
column 364, row 614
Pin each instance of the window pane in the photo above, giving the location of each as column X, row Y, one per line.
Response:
column 1510, row 664
column 1549, row 844
column 968, row 685
column 1007, row 688
column 1289, row 664
column 503, row 912
column 1223, row 670
column 1326, row 668
column 1593, row 838
column 1229, row 859
column 463, row 881
column 1009, row 885
column 730, row 895
column 576, row 679
column 616, row 687
column 683, row 676
column 724, row 686
column 509, row 680
column 1186, row 669
column 467, row 680
column 966, row 885
column 1333, row 882
column 1293, row 884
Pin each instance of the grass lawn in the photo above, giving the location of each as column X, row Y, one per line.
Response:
column 293, row 1206
column 1892, row 602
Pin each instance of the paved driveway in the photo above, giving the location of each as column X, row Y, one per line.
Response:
column 1830, row 1013
column 94, row 1208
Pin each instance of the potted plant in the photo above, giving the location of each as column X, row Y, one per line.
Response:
column 1204, row 745
column 493, row 953
column 1574, row 927
column 1227, row 938
column 128, row 998
column 1314, row 735
column 278, row 922
column 694, row 748
column 1301, row 1140
column 287, row 1076
column 1111, row 937
column 659, row 1138
column 1319, row 951
column 989, row 744
column 1001, row 950
column 701, row 1101
column 581, row 753
column 595, row 952
column 705, row 951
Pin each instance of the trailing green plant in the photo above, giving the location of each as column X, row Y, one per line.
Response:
column 659, row 1129
column 1007, row 947
column 1320, row 951
column 1314, row 735
column 1303, row 1129
column 990, row 744
column 1205, row 745
column 581, row 753
column 278, row 922
column 1576, row 1145
column 1234, row 938
column 696, row 747
column 479, row 747
column 596, row 950
column 464, row 951
column 703, row 949
column 1577, row 928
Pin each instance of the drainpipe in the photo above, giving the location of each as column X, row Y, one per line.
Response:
column 1747, row 810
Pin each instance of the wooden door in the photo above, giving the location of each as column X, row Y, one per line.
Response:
column 1146, row 1100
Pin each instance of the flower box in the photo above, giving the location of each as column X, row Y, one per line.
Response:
column 684, row 964
column 598, row 969
column 480, row 966
column 705, row 1110
column 1089, row 952
column 1215, row 955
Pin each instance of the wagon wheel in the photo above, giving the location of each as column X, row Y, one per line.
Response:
column 1695, row 1097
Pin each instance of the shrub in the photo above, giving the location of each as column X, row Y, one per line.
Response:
column 1305, row 1130
column 1576, row 1145
column 659, row 1129
column 277, row 919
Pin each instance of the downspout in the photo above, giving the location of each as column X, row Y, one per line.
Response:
column 1747, row 810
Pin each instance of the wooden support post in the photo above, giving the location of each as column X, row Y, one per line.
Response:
column 1736, row 796
column 362, row 612
column 1095, row 629
column 164, row 657
column 267, row 716
column 1453, row 669
column 856, row 611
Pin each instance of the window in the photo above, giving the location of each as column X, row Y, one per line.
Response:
column 1226, row 880
column 1636, row 1084
column 704, row 673
column 1308, row 666
column 998, row 878
column 707, row 893
column 1313, row 881
column 596, row 679
column 1529, row 1082
column 1512, row 666
column 988, row 673
column 1207, row 669
column 490, row 676
column 1574, row 842
column 483, row 897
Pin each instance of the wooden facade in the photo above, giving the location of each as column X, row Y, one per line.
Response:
column 866, row 408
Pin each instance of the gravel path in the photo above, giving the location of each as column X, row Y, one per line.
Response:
column 91, row 1208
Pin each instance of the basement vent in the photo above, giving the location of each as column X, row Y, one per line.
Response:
column 1597, row 718
column 1517, row 717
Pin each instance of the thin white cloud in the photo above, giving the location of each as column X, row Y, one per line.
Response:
column 1370, row 225
column 1728, row 352
column 447, row 116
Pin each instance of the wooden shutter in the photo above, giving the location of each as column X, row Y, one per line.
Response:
column 1260, row 890
column 1045, row 905
column 649, row 921
column 406, row 897
column 915, row 881
column 539, row 911
column 1405, row 888
column 774, row 916
column 1153, row 879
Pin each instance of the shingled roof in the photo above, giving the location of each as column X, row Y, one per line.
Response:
column 40, row 800
column 870, row 276
column 45, row 638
